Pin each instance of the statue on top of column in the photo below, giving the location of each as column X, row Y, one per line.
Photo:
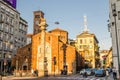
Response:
column 42, row 22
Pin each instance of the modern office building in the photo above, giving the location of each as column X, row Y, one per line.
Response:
column 13, row 30
column 114, row 29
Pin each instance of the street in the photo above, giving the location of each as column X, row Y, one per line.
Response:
column 70, row 77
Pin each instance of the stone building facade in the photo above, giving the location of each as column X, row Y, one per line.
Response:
column 114, row 29
column 59, row 55
column 88, row 49
column 13, row 30
column 109, row 59
column 103, row 56
column 22, row 61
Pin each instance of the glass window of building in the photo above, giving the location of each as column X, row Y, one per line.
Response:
column 20, row 26
column 40, row 50
column 11, row 38
column 1, row 26
column 6, row 27
column 12, row 21
column 85, row 41
column 7, row 19
column 6, row 36
column 80, row 46
column 0, row 44
column 11, row 46
column 0, row 34
column 11, row 30
column 90, row 40
column 81, row 41
column 118, row 15
column 1, row 17
column 91, row 53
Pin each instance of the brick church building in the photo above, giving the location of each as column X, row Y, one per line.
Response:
column 58, row 55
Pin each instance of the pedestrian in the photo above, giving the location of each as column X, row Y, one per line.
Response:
column 114, row 73
column 83, row 73
column 36, row 72
column 32, row 71
column 107, row 74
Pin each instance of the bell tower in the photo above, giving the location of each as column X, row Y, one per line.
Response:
column 37, row 15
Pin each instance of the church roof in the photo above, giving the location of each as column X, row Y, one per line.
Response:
column 84, row 34
column 57, row 29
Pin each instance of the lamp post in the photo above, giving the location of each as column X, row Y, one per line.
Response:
column 57, row 23
column 116, row 33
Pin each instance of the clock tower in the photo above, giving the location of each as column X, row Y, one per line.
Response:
column 37, row 15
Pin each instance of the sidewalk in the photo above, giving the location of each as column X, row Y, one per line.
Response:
column 13, row 77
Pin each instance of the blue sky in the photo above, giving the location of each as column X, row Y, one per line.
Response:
column 69, row 13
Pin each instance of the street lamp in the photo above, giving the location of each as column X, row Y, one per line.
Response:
column 57, row 23
column 114, row 15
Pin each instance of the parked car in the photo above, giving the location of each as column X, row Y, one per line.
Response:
column 88, row 72
column 93, row 71
column 100, row 72
column 82, row 71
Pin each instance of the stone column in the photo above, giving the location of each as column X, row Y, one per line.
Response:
column 41, row 66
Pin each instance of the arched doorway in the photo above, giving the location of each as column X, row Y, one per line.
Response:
column 24, row 67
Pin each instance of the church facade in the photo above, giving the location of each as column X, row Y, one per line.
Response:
column 58, row 56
